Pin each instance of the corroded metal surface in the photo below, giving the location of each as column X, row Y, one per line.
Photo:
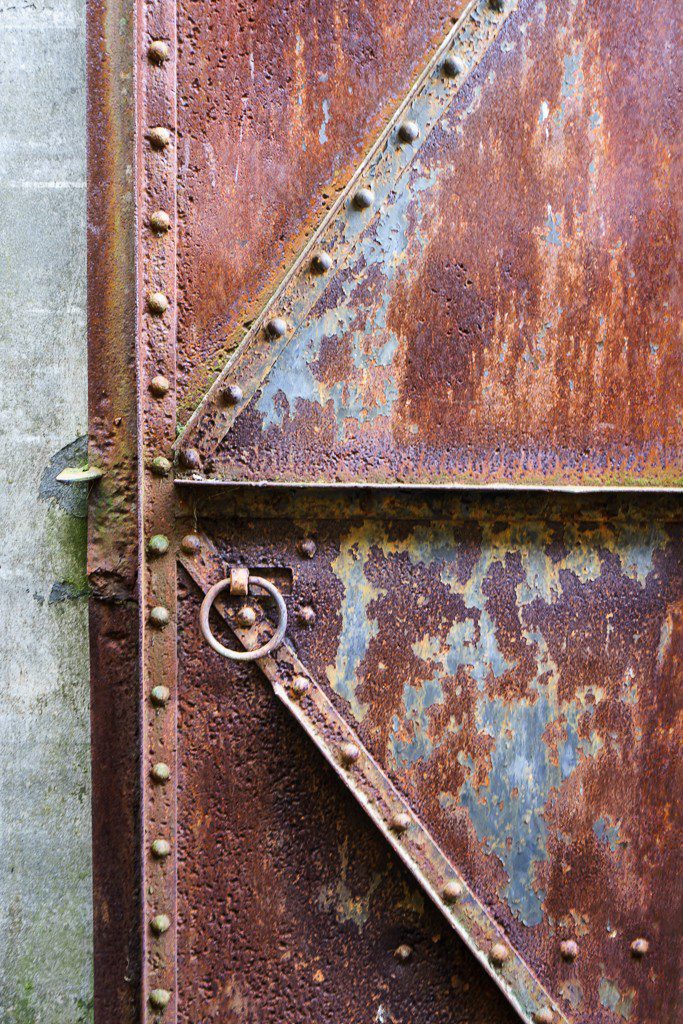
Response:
column 402, row 829
column 512, row 313
column 292, row 906
column 277, row 104
column 515, row 671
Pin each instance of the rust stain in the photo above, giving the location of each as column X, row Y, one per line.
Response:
column 512, row 316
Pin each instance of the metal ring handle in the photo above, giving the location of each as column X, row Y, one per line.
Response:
column 259, row 652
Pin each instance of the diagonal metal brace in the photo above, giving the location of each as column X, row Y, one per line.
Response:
column 307, row 702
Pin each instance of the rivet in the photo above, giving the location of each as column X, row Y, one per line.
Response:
column 159, row 137
column 544, row 1016
column 160, row 221
column 160, row 772
column 453, row 66
column 157, row 303
column 160, row 924
column 159, row 386
column 349, row 753
column 232, row 395
column 159, row 998
column 640, row 948
column 498, row 954
column 158, row 51
column 191, row 544
column 160, row 848
column 160, row 695
column 321, row 262
column 403, row 953
column 409, row 131
column 189, row 458
column 452, row 891
column 159, row 617
column 299, row 686
column 363, row 198
column 306, row 615
column 160, row 466
column 245, row 617
column 276, row 328
column 157, row 545
column 399, row 822
column 307, row 547
column 569, row 950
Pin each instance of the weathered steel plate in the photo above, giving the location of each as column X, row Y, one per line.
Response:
column 515, row 669
column 277, row 105
column 511, row 312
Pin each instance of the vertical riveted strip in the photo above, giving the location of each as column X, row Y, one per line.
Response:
column 156, row 277
column 383, row 803
column 341, row 230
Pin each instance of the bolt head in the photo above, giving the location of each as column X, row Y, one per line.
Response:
column 159, row 998
column 160, row 695
column 157, row 545
column 160, row 848
column 349, row 753
column 160, row 772
column 453, row 66
column 299, row 686
column 232, row 394
column 403, row 953
column 544, row 1016
column 399, row 822
column 306, row 615
column 159, row 138
column 189, row 458
column 245, row 617
column 160, row 924
column 159, row 617
column 498, row 954
column 363, row 198
column 409, row 131
column 160, row 466
column 191, row 544
column 159, row 386
column 276, row 328
column 569, row 950
column 307, row 547
column 160, row 221
column 452, row 891
column 157, row 303
column 158, row 51
column 321, row 262
column 640, row 948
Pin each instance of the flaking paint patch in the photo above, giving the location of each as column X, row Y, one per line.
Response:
column 612, row 999
column 369, row 391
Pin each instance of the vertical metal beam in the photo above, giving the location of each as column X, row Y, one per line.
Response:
column 112, row 531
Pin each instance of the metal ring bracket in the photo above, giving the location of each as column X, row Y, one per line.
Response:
column 259, row 652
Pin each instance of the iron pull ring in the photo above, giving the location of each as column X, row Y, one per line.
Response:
column 258, row 652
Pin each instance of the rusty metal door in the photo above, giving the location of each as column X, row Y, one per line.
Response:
column 385, row 391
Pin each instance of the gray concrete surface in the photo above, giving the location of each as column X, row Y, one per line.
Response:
column 45, row 872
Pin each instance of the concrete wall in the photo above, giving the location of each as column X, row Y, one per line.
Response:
column 45, row 867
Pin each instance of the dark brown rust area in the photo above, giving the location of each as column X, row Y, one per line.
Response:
column 513, row 315
column 290, row 905
column 514, row 666
column 277, row 105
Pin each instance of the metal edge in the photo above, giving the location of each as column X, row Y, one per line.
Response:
column 476, row 29
column 112, row 522
column 156, row 181
column 383, row 803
